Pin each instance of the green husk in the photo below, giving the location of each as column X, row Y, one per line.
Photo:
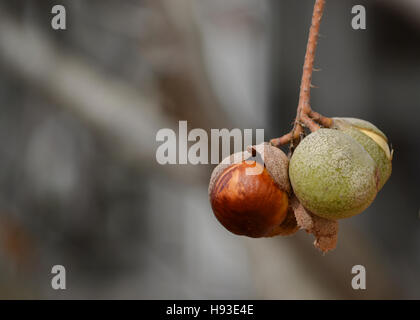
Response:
column 332, row 175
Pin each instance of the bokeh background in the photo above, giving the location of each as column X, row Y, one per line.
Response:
column 79, row 113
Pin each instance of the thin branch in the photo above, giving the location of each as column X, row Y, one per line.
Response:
column 305, row 88
column 324, row 121
column 305, row 117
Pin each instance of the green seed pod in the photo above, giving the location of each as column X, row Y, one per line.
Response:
column 332, row 175
column 373, row 140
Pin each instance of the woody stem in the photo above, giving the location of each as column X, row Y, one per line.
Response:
column 305, row 117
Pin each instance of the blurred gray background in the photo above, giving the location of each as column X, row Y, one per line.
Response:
column 80, row 109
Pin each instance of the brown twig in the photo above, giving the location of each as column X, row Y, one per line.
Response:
column 305, row 117
column 322, row 120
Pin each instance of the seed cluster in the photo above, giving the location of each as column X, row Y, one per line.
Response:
column 334, row 173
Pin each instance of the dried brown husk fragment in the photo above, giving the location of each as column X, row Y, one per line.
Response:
column 324, row 230
column 276, row 162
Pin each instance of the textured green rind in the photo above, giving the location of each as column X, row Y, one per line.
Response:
column 332, row 175
column 376, row 152
column 363, row 124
